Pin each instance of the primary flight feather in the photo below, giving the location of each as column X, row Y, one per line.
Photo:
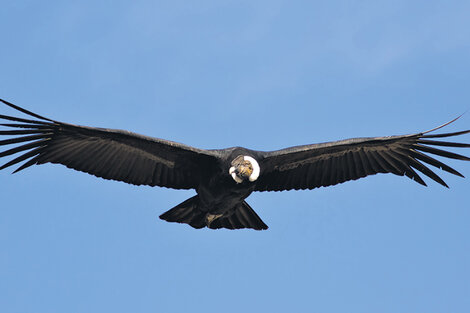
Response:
column 222, row 178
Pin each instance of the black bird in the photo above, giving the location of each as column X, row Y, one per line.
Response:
column 222, row 178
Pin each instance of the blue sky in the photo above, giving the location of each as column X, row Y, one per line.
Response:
column 214, row 74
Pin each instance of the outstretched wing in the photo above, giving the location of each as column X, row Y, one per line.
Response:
column 326, row 164
column 106, row 153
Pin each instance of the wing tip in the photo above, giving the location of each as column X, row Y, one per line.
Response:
column 11, row 105
column 445, row 124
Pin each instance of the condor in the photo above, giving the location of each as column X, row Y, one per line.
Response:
column 222, row 178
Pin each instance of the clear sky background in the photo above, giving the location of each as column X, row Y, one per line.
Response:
column 215, row 74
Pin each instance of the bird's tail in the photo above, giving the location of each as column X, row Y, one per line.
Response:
column 188, row 212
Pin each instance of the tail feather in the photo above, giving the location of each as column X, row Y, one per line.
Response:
column 243, row 217
column 188, row 212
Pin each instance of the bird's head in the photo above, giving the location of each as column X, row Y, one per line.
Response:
column 244, row 168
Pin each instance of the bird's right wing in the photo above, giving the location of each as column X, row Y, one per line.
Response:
column 106, row 153
column 331, row 163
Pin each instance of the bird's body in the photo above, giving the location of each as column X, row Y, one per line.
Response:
column 220, row 196
column 222, row 178
column 219, row 193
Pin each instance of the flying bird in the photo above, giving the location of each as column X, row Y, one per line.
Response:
column 222, row 178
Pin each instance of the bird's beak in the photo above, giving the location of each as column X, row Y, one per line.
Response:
column 244, row 171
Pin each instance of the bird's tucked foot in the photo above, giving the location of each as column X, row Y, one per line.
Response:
column 212, row 217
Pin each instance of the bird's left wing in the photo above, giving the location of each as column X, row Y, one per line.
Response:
column 331, row 163
column 106, row 153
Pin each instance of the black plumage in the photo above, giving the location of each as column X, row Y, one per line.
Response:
column 222, row 178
